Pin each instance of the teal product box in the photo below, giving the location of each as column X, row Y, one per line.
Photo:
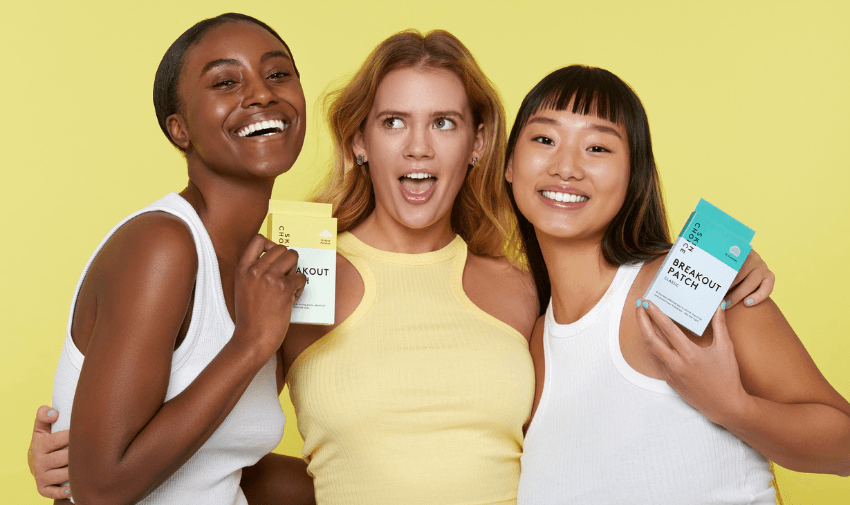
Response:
column 699, row 269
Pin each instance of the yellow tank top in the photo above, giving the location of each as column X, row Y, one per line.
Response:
column 419, row 396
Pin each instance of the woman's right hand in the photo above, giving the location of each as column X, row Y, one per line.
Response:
column 48, row 456
column 266, row 287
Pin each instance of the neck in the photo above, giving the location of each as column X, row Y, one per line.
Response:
column 231, row 209
column 383, row 232
column 579, row 275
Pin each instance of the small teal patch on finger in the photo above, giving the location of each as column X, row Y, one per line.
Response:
column 724, row 305
column 750, row 301
column 645, row 305
column 50, row 413
column 638, row 303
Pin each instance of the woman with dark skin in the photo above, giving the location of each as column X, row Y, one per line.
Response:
column 128, row 437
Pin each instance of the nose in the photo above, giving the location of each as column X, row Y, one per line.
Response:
column 568, row 163
column 257, row 92
column 419, row 144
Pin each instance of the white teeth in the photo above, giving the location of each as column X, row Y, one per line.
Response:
column 563, row 197
column 418, row 175
column 262, row 125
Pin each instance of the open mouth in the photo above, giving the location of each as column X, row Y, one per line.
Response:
column 564, row 197
column 262, row 128
column 417, row 183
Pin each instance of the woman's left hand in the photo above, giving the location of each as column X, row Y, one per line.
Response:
column 707, row 378
column 754, row 282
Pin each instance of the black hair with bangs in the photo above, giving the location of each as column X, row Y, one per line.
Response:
column 166, row 97
column 639, row 230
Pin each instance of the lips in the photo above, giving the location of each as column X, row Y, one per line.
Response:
column 563, row 198
column 417, row 183
column 262, row 128
column 417, row 187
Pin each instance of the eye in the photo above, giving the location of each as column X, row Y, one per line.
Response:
column 224, row 83
column 444, row 123
column 598, row 149
column 544, row 140
column 280, row 74
column 393, row 123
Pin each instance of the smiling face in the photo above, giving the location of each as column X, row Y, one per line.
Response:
column 242, row 108
column 570, row 173
column 418, row 140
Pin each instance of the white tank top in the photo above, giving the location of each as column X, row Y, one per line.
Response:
column 254, row 426
column 605, row 434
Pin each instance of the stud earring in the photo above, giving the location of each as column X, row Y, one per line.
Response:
column 474, row 161
column 360, row 160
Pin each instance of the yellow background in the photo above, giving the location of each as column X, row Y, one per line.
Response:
column 748, row 104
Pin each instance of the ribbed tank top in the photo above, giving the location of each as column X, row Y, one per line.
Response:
column 605, row 434
column 254, row 426
column 419, row 396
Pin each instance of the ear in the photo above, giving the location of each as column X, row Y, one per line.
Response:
column 358, row 145
column 509, row 170
column 179, row 130
column 478, row 142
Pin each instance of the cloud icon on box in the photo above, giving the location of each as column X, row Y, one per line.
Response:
column 326, row 234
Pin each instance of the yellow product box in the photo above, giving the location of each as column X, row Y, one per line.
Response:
column 309, row 229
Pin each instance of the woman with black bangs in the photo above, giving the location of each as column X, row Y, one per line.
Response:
column 629, row 408
column 170, row 356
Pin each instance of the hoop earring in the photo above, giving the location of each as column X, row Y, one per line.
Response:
column 474, row 161
column 359, row 160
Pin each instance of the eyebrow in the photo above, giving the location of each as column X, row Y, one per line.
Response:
column 230, row 61
column 436, row 113
column 555, row 122
column 275, row 54
column 218, row 63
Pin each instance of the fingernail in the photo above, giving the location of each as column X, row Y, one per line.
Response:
column 646, row 305
column 724, row 305
column 68, row 491
column 638, row 303
column 750, row 301
column 728, row 303
column 50, row 413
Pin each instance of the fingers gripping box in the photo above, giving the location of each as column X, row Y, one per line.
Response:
column 699, row 269
column 309, row 229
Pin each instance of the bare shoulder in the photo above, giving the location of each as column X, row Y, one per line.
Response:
column 502, row 290
column 154, row 239
column 148, row 266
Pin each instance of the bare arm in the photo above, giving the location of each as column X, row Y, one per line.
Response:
column 124, row 440
column 278, row 479
column 757, row 381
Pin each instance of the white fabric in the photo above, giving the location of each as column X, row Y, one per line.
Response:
column 605, row 434
column 254, row 426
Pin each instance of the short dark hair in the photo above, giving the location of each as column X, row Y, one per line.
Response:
column 639, row 230
column 166, row 99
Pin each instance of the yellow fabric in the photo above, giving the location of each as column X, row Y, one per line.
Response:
column 419, row 396
column 775, row 485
